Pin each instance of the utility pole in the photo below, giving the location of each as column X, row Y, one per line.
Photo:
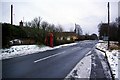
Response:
column 108, row 25
column 11, row 14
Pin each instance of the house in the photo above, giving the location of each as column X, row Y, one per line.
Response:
column 60, row 38
column 66, row 36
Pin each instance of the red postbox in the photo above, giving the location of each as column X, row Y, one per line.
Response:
column 51, row 39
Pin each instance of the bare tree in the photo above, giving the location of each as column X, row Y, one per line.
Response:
column 36, row 22
column 78, row 29
column 51, row 28
column 59, row 28
column 118, row 25
column 44, row 25
column 28, row 24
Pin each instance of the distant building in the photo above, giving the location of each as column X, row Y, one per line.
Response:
column 67, row 36
column 61, row 38
column 21, row 23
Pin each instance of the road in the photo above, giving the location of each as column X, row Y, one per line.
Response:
column 55, row 63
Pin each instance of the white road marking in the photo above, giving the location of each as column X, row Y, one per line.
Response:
column 75, row 48
column 48, row 57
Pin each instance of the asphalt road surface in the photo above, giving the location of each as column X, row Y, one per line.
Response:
column 97, row 70
column 55, row 63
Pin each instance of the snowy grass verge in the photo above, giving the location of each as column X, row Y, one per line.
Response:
column 20, row 50
column 112, row 55
column 82, row 69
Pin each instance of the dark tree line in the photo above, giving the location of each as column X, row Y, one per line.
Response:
column 43, row 25
column 118, row 23
column 114, row 30
column 88, row 37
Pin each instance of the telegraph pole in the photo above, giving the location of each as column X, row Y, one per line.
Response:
column 11, row 14
column 108, row 25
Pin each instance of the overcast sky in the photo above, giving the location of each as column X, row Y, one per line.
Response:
column 87, row 13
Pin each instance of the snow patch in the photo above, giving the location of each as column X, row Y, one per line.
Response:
column 113, row 57
column 21, row 50
column 71, row 44
column 82, row 69
column 15, row 51
column 113, row 60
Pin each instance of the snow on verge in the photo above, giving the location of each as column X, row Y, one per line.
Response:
column 112, row 57
column 82, row 69
column 20, row 50
column 113, row 60
column 71, row 44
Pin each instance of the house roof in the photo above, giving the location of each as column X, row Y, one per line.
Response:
column 65, row 34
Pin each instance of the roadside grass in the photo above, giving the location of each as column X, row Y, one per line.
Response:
column 114, row 46
column 42, row 45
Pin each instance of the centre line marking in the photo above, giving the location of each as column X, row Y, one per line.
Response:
column 75, row 48
column 48, row 57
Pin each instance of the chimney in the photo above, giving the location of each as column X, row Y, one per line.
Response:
column 21, row 23
column 11, row 14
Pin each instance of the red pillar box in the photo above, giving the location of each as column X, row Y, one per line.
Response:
column 51, row 39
